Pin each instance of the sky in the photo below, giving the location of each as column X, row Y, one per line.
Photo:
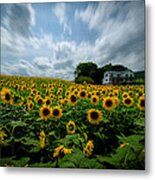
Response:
column 51, row 39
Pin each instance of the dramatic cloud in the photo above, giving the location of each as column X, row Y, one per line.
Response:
column 60, row 12
column 117, row 27
column 21, row 18
column 122, row 31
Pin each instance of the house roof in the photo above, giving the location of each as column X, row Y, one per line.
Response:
column 118, row 72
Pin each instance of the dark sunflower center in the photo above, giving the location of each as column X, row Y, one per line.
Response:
column 94, row 100
column 7, row 96
column 128, row 101
column 142, row 103
column 46, row 111
column 103, row 92
column 56, row 112
column 94, row 115
column 30, row 105
column 40, row 101
column 83, row 94
column 73, row 98
column 97, row 93
column 48, row 102
column 108, row 103
column 71, row 127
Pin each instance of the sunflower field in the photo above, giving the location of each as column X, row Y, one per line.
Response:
column 60, row 124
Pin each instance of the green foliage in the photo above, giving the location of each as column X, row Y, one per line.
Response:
column 118, row 140
column 129, row 155
column 82, row 79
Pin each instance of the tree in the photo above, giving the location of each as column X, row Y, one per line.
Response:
column 88, row 69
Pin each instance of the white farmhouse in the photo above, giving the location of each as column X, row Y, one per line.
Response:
column 117, row 77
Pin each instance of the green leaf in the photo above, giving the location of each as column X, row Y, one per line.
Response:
column 14, row 162
column 44, row 165
column 90, row 163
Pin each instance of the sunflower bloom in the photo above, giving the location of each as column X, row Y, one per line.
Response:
column 57, row 151
column 6, row 96
column 57, row 112
column 123, row 145
column 2, row 136
column 94, row 99
column 67, row 151
column 128, row 101
column 94, row 116
column 70, row 127
column 88, row 149
column 72, row 99
column 45, row 112
column 42, row 139
column 108, row 103
column 141, row 103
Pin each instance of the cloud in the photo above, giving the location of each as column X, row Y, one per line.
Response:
column 21, row 19
column 120, row 40
column 60, row 12
column 42, row 63
column 121, row 28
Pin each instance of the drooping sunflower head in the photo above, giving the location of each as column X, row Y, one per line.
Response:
column 108, row 103
column 128, row 101
column 71, row 127
column 95, row 99
column 141, row 103
column 94, row 116
column 58, row 151
column 73, row 99
column 88, row 149
column 57, row 112
column 45, row 112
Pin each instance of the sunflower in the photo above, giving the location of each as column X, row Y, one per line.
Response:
column 58, row 151
column 95, row 99
column 19, row 100
column 45, row 112
column 94, row 116
column 42, row 139
column 128, row 101
column 89, row 95
column 47, row 101
column 30, row 105
column 67, row 151
column 40, row 100
column 82, row 94
column 57, row 112
column 141, row 103
column 2, row 136
column 108, row 103
column 125, row 95
column 61, row 150
column 67, row 93
column 116, row 101
column 72, row 99
column 70, row 127
column 6, row 96
column 88, row 149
